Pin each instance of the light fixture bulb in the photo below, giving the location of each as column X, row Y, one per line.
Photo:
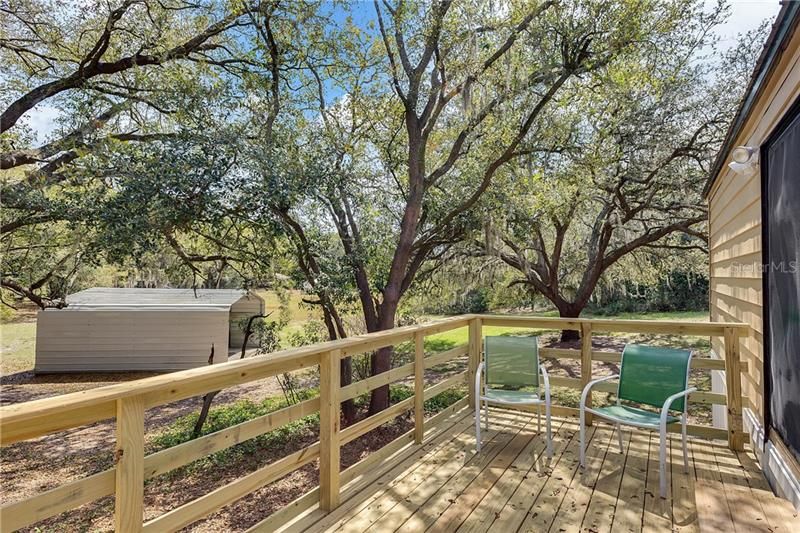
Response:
column 742, row 154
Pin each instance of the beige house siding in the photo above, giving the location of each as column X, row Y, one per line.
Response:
column 129, row 340
column 735, row 228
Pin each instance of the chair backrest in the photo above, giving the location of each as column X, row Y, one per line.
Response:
column 651, row 374
column 511, row 361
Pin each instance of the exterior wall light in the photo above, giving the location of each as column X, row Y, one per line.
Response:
column 745, row 160
column 743, row 154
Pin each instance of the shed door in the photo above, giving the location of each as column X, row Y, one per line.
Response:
column 782, row 280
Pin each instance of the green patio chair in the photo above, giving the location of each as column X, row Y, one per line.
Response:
column 511, row 363
column 649, row 376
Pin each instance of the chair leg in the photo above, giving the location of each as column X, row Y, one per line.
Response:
column 685, row 452
column 619, row 438
column 549, row 430
column 478, row 425
column 486, row 414
column 582, row 431
column 539, row 418
column 662, row 463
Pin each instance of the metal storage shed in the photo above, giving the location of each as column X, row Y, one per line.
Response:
column 117, row 330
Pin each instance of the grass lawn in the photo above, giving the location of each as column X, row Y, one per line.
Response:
column 17, row 340
column 455, row 337
column 298, row 311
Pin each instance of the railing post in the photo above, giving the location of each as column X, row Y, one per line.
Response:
column 733, row 386
column 586, row 363
column 129, row 458
column 419, row 387
column 474, row 357
column 329, row 420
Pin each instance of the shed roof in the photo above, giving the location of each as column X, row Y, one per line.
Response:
column 102, row 297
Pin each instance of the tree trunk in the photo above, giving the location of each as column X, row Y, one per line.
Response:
column 381, row 360
column 248, row 332
column 569, row 335
column 346, row 378
column 207, row 399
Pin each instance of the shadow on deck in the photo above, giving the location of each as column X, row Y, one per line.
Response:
column 443, row 485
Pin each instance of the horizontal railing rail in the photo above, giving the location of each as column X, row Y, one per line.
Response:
column 127, row 403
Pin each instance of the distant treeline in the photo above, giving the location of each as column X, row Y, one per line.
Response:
column 679, row 291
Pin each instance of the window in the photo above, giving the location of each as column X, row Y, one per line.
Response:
column 781, row 273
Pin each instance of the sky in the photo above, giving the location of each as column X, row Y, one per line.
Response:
column 745, row 15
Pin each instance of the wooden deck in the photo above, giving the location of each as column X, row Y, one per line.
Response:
column 511, row 486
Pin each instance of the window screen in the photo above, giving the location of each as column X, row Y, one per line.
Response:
column 782, row 281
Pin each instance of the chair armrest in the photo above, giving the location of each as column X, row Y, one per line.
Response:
column 587, row 389
column 546, row 379
column 668, row 402
column 478, row 373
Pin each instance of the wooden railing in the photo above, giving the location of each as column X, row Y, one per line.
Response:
column 127, row 403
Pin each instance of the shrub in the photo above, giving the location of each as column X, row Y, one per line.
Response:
column 678, row 291
column 398, row 393
column 444, row 400
column 475, row 301
column 228, row 415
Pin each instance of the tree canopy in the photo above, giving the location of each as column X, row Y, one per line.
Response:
column 356, row 151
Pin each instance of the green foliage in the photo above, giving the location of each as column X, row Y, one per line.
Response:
column 238, row 412
column 7, row 314
column 398, row 393
column 474, row 301
column 311, row 332
column 618, row 195
column 296, row 148
column 444, row 399
column 677, row 291
column 265, row 334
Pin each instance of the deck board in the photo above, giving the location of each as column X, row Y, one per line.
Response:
column 543, row 511
column 630, row 501
column 600, row 511
column 657, row 514
column 578, row 493
column 781, row 516
column 512, row 486
column 749, row 513
column 516, row 508
column 369, row 511
column 684, row 508
column 429, row 506
column 492, row 503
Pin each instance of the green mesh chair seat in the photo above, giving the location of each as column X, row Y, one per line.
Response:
column 632, row 415
column 510, row 396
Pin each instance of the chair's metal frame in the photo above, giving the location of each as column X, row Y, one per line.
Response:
column 480, row 398
column 661, row 426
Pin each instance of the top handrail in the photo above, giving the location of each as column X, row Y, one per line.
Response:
column 703, row 327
